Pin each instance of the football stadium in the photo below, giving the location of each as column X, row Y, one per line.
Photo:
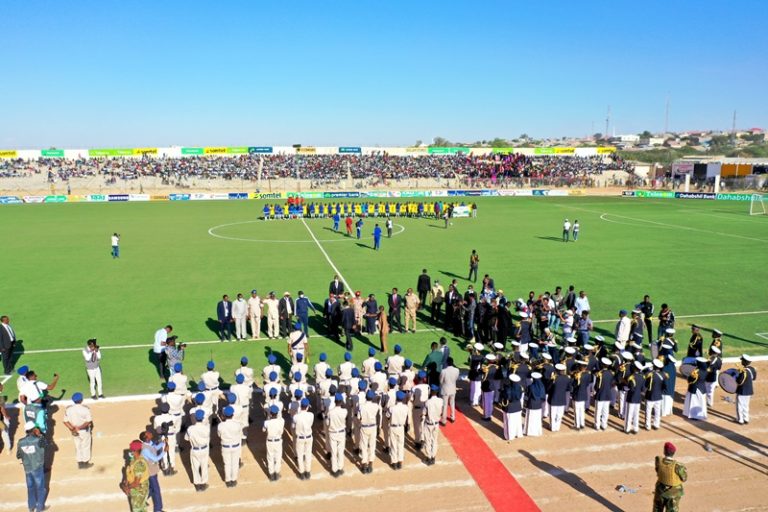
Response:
column 543, row 324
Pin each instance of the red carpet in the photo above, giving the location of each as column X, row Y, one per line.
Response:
column 498, row 485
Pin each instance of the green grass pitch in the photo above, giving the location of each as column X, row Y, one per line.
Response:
column 60, row 286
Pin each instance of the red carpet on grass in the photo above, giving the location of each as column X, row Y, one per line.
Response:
column 498, row 485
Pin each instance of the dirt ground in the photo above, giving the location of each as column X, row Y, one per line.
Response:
column 568, row 470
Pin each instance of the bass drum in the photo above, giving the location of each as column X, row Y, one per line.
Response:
column 727, row 380
column 687, row 367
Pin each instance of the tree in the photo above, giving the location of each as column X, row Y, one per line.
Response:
column 646, row 135
column 597, row 136
column 441, row 142
column 524, row 136
column 498, row 142
column 418, row 143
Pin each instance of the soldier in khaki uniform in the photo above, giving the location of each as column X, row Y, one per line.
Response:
column 336, row 421
column 274, row 427
column 273, row 317
column 411, row 307
column 230, row 432
column 79, row 421
column 199, row 436
column 368, row 413
column 433, row 411
column 670, row 476
column 303, row 421
column 398, row 420
column 254, row 314
column 243, row 393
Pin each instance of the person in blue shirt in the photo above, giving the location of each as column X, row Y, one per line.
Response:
column 153, row 451
column 336, row 219
column 376, row 237
column 303, row 305
column 266, row 212
column 359, row 227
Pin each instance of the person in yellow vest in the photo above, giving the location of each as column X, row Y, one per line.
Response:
column 272, row 211
column 670, row 476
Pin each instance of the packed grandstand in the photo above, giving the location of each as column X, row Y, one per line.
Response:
column 377, row 167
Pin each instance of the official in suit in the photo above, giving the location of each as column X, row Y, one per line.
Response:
column 7, row 344
column 348, row 323
column 395, row 305
column 332, row 314
column 303, row 305
column 423, row 286
column 336, row 287
column 224, row 314
column 449, row 376
column 285, row 309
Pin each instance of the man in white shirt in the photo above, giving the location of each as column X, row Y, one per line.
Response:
column 115, row 245
column 158, row 349
column 566, row 230
column 582, row 303
column 623, row 327
column 254, row 314
column 92, row 356
column 239, row 314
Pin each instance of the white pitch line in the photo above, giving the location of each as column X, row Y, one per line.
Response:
column 706, row 315
column 676, row 226
column 333, row 266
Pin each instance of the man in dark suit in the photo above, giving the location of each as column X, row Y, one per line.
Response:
column 224, row 314
column 332, row 314
column 450, row 300
column 423, row 286
column 7, row 344
column 336, row 287
column 349, row 323
column 395, row 305
column 285, row 309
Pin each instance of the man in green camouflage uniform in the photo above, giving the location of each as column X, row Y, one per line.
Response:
column 670, row 476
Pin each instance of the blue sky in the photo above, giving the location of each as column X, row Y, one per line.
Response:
column 140, row 73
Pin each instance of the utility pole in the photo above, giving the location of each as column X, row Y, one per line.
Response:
column 733, row 130
column 607, row 121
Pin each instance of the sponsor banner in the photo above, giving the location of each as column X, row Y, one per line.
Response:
column 472, row 193
column 306, row 151
column 220, row 197
column 200, row 197
column 52, row 153
column 158, row 198
column 544, row 151
column 417, row 150
column 628, row 193
column 34, row 199
column 191, row 151
column 605, row 150
column 655, row 194
column 694, row 195
column 538, row 192
column 8, row 153
column 96, row 198
column 439, row 193
column 178, row 197
column 144, row 151
column 447, row 151
column 734, row 197
column 110, row 152
column 279, row 195
column 460, row 211
column 112, row 198
column 503, row 150
column 76, row 198
column 10, row 200
column 237, row 150
column 260, row 150
column 215, row 150
column 55, row 199
column 138, row 197
column 340, row 195
column 350, row 149
column 375, row 194
column 515, row 192
column 556, row 193
column 565, row 151
column 237, row 195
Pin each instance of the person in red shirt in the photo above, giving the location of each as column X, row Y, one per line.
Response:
column 348, row 222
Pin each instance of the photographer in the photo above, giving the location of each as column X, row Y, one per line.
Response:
column 92, row 356
column 33, row 395
column 174, row 353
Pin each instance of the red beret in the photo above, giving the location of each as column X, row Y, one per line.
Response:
column 136, row 446
column 669, row 448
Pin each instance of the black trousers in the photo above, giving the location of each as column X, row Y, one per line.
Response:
column 394, row 321
column 649, row 329
column 422, row 299
column 7, row 356
column 435, row 312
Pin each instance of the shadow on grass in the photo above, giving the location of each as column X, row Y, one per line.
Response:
column 550, row 238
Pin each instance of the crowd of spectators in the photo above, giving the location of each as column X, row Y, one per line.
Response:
column 379, row 168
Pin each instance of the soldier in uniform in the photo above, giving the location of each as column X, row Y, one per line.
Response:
column 635, row 391
column 368, row 413
column 488, row 372
column 433, row 410
column 412, row 304
column 303, row 439
column 581, row 385
column 744, row 389
column 560, row 387
column 79, row 421
column 670, row 476
column 535, row 397
column 336, row 423
column 199, row 436
column 717, row 341
column 603, row 392
column 654, row 386
column 695, row 405
column 398, row 420
column 210, row 379
column 230, row 434
column 695, row 344
column 274, row 427
column 670, row 376
column 511, row 404
column 475, row 373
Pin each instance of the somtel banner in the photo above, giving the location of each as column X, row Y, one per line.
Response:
column 8, row 153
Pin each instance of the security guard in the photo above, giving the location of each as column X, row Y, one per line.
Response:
column 210, row 378
column 230, row 434
column 243, row 394
column 274, row 427
column 79, row 421
column 336, row 421
column 303, row 439
column 433, row 410
column 199, row 436
column 670, row 476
